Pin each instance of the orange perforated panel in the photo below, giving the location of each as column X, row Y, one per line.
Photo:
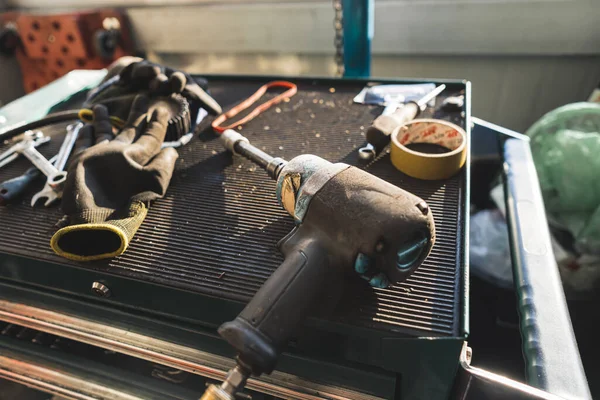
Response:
column 53, row 45
column 51, row 36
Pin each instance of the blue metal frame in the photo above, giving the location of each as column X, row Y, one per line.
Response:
column 358, row 22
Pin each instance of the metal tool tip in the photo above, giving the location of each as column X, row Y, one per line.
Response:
column 367, row 153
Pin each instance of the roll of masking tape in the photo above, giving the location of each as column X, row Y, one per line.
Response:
column 429, row 166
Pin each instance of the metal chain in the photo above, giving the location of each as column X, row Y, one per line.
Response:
column 338, row 24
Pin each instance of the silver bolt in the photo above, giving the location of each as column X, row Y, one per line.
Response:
column 235, row 380
column 423, row 207
column 100, row 289
column 367, row 153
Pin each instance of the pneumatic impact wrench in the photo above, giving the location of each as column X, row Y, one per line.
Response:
column 347, row 220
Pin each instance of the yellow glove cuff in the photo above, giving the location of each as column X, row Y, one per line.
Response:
column 98, row 240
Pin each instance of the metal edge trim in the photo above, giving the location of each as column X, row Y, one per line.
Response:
column 500, row 129
column 465, row 364
column 329, row 79
column 166, row 353
column 466, row 207
column 56, row 382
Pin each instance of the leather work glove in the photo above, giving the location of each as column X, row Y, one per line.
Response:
column 111, row 182
column 136, row 76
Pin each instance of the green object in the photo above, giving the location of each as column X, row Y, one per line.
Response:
column 565, row 144
column 37, row 104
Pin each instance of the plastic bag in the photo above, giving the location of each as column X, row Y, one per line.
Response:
column 489, row 249
column 565, row 144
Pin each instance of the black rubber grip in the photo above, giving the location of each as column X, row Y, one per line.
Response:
column 379, row 134
column 12, row 189
column 551, row 353
column 264, row 327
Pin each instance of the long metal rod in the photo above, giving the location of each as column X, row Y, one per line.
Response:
column 188, row 359
column 253, row 154
column 57, row 382
column 272, row 165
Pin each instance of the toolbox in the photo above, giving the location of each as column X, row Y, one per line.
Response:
column 210, row 243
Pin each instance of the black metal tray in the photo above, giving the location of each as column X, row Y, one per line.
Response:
column 214, row 235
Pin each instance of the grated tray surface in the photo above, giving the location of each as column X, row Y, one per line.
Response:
column 216, row 230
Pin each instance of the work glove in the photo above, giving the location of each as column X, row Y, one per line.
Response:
column 111, row 182
column 132, row 75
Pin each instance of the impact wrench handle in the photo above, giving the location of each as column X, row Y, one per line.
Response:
column 347, row 222
column 263, row 328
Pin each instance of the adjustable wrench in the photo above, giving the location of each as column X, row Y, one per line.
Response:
column 52, row 190
column 12, row 189
column 26, row 147
column 30, row 138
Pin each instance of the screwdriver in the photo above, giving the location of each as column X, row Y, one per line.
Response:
column 378, row 134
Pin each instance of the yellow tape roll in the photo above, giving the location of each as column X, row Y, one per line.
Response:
column 429, row 166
